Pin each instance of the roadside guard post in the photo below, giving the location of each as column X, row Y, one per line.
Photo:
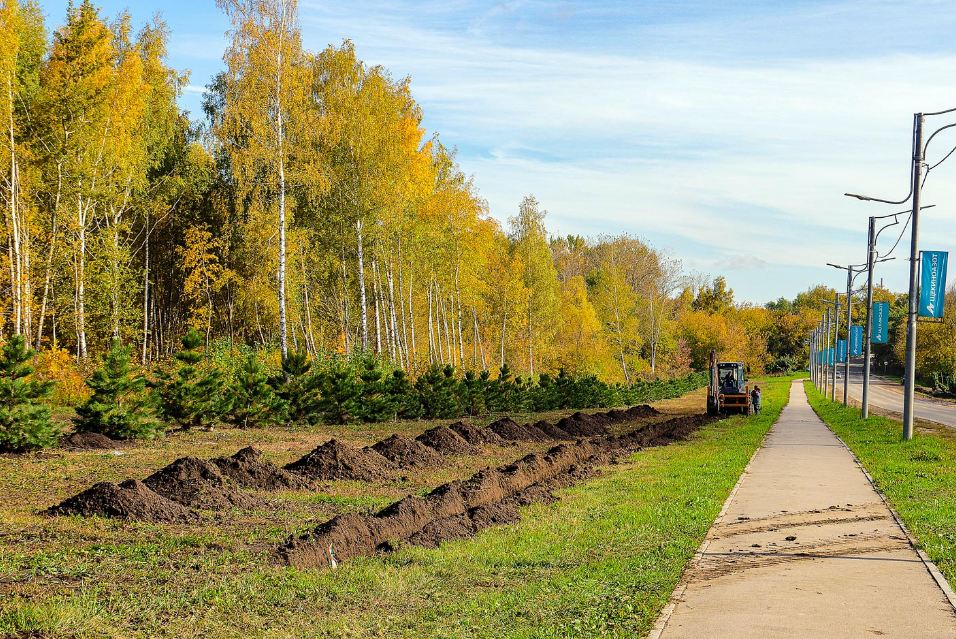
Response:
column 932, row 290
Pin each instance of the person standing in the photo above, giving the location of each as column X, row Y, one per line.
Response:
column 755, row 399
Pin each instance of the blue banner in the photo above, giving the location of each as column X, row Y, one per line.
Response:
column 830, row 356
column 856, row 341
column 932, row 290
column 841, row 350
column 881, row 322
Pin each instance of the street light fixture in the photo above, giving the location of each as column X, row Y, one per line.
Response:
column 873, row 236
column 851, row 274
column 916, row 183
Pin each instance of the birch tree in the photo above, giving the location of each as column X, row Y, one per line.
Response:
column 530, row 241
column 22, row 45
column 264, row 92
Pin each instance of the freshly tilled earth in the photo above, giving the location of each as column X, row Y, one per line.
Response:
column 185, row 489
column 461, row 508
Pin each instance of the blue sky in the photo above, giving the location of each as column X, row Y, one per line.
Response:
column 722, row 132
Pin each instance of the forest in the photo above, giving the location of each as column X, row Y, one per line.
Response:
column 307, row 210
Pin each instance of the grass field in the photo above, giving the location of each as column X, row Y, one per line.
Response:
column 918, row 477
column 600, row 562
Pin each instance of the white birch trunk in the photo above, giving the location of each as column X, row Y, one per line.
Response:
column 504, row 325
column 411, row 319
column 283, row 328
column 81, row 280
column 363, row 303
column 431, row 332
column 396, row 342
column 378, row 323
column 145, row 351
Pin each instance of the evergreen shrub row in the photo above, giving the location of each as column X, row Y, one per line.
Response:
column 194, row 391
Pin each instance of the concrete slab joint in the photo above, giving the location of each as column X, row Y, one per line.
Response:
column 807, row 547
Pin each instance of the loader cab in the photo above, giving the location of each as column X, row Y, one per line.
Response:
column 727, row 391
column 730, row 376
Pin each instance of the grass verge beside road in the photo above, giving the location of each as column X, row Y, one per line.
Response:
column 600, row 562
column 918, row 477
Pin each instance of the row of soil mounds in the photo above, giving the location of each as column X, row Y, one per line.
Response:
column 335, row 460
column 461, row 508
column 171, row 493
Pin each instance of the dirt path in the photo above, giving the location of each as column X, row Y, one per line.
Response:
column 806, row 548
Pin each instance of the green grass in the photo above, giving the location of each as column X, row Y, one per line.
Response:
column 600, row 562
column 918, row 477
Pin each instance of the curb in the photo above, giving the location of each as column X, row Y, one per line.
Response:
column 931, row 567
column 665, row 615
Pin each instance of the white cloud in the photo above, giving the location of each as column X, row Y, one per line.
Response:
column 734, row 156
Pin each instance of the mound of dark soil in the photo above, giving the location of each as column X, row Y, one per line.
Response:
column 130, row 499
column 340, row 538
column 509, row 430
column 446, row 441
column 552, row 431
column 490, row 497
column 535, row 433
column 89, row 441
column 336, row 460
column 660, row 433
column 248, row 469
column 475, row 435
column 484, row 487
column 451, row 509
column 581, row 426
column 407, row 453
column 642, row 411
column 196, row 482
column 598, row 419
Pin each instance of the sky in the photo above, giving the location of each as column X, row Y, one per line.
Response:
column 723, row 133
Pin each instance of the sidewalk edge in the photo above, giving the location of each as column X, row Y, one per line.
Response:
column 928, row 563
column 665, row 614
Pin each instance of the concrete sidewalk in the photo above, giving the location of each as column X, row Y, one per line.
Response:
column 806, row 548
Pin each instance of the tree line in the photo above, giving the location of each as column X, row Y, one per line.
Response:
column 308, row 210
column 123, row 403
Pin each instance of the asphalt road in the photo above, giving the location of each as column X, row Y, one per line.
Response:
column 888, row 395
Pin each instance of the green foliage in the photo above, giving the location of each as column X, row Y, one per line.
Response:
column 714, row 298
column 373, row 401
column 364, row 388
column 472, row 392
column 338, row 393
column 298, row 387
column 190, row 394
column 24, row 418
column 437, row 391
column 944, row 384
column 255, row 403
column 405, row 400
column 917, row 476
column 119, row 406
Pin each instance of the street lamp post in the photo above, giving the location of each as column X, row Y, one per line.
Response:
column 826, row 353
column 849, row 333
column 916, row 183
column 836, row 334
column 867, row 331
column 851, row 273
column 909, row 373
column 873, row 234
